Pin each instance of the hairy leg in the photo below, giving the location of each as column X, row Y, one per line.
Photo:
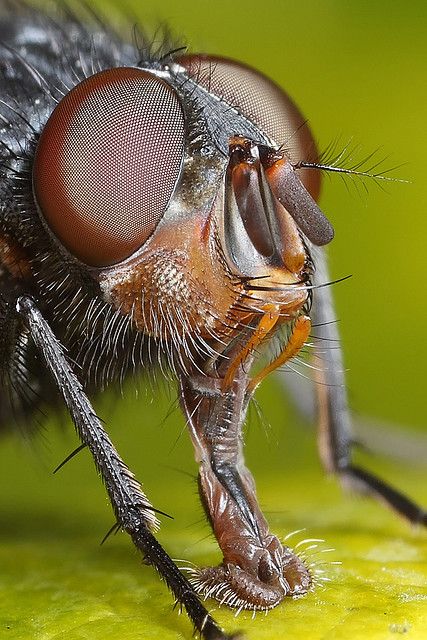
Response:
column 132, row 508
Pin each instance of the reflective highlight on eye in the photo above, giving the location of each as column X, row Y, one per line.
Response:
column 107, row 163
column 264, row 103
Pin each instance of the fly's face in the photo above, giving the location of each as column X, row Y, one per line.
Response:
column 169, row 183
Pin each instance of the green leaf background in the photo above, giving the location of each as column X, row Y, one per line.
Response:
column 357, row 70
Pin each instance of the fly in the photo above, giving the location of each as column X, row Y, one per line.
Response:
column 159, row 205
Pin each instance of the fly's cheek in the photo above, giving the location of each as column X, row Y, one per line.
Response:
column 107, row 163
column 264, row 103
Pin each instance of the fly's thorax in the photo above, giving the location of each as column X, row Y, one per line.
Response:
column 13, row 259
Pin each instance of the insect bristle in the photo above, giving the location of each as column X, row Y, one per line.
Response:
column 348, row 162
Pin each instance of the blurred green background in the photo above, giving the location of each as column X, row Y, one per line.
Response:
column 357, row 70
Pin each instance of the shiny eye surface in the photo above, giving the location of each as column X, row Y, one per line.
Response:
column 107, row 163
column 263, row 102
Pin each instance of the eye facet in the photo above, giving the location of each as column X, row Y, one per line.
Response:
column 107, row 163
column 257, row 98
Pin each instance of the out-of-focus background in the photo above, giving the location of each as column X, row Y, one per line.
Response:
column 357, row 71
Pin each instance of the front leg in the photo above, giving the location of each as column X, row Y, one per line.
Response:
column 257, row 571
column 132, row 508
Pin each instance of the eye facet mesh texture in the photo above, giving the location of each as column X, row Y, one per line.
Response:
column 107, row 163
column 257, row 98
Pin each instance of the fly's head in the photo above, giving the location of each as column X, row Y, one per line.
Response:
column 175, row 186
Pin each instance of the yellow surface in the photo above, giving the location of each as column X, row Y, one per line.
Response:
column 58, row 583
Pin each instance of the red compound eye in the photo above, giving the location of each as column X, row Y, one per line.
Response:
column 107, row 163
column 262, row 102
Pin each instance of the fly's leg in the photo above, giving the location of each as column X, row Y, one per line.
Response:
column 133, row 510
column 21, row 386
column 257, row 571
column 334, row 434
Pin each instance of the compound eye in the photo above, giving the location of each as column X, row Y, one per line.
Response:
column 107, row 163
column 264, row 103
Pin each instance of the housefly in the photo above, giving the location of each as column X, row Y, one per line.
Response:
column 161, row 206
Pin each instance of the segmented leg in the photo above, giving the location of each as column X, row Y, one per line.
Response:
column 334, row 434
column 132, row 508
